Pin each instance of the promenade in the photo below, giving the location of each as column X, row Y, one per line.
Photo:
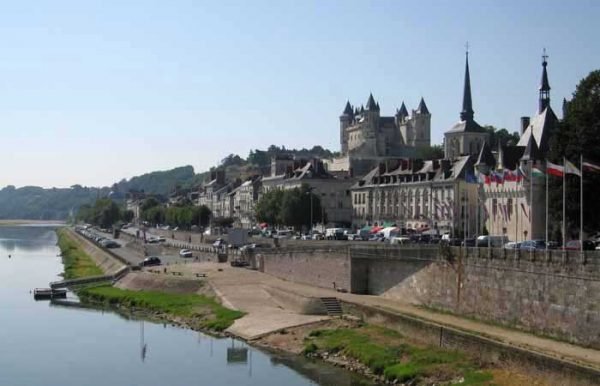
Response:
column 250, row 291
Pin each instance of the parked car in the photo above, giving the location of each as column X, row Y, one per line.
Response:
column 106, row 243
column 185, row 253
column 512, row 245
column 530, row 245
column 575, row 245
column 468, row 243
column 150, row 261
column 492, row 241
column 219, row 243
column 354, row 237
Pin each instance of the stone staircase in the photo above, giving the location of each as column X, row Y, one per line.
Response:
column 332, row 305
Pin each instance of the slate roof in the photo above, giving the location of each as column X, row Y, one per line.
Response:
column 422, row 109
column 540, row 129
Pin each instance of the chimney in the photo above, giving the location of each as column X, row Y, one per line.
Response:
column 436, row 164
column 417, row 165
column 524, row 124
column 220, row 176
column 446, row 165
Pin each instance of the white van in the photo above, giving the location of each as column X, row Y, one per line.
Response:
column 492, row 241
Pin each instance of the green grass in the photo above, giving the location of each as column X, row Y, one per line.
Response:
column 198, row 310
column 77, row 263
column 385, row 352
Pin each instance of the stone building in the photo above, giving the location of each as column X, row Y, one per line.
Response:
column 242, row 202
column 419, row 195
column 513, row 198
column 334, row 192
column 367, row 138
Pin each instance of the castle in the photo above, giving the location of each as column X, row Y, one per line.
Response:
column 367, row 138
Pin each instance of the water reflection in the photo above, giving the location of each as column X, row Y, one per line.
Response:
column 72, row 344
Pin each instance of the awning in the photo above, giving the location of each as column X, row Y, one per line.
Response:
column 387, row 224
column 376, row 229
column 366, row 228
column 263, row 225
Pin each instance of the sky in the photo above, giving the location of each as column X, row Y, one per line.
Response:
column 92, row 92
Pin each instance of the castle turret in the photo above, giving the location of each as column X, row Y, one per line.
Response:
column 345, row 121
column 422, row 125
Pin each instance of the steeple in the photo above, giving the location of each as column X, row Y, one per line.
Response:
column 467, row 108
column 544, row 85
column 348, row 109
column 422, row 109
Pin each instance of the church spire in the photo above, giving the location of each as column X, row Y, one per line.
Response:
column 467, row 108
column 544, row 85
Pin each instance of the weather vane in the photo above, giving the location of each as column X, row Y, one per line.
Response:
column 544, row 56
column 467, row 48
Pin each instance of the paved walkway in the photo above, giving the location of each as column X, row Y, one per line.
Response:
column 245, row 290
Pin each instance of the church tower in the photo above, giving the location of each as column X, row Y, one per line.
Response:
column 544, row 86
column 466, row 137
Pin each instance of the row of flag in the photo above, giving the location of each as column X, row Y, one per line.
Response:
column 507, row 175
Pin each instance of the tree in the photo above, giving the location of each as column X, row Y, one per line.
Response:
column 500, row 136
column 430, row 152
column 296, row 205
column 268, row 207
column 578, row 134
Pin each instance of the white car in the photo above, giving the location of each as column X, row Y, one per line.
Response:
column 185, row 253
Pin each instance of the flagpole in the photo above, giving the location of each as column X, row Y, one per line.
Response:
column 531, row 200
column 546, row 211
column 581, row 203
column 564, row 240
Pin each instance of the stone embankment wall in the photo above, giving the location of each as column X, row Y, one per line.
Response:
column 557, row 294
column 320, row 267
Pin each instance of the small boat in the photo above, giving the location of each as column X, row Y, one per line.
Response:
column 49, row 293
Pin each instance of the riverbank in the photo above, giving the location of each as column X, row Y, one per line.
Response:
column 198, row 311
column 345, row 345
column 17, row 222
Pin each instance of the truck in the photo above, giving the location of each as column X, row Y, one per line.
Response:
column 237, row 237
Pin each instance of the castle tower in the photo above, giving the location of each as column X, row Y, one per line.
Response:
column 345, row 121
column 422, row 125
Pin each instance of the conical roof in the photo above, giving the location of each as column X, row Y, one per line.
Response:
column 485, row 156
column 422, row 109
column 403, row 112
column 347, row 109
column 371, row 105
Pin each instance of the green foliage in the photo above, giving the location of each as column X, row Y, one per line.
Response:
column 35, row 203
column 268, row 208
column 204, row 310
column 289, row 207
column 430, row 152
column 385, row 352
column 500, row 136
column 578, row 134
column 262, row 158
column 159, row 182
column 77, row 263
column 104, row 213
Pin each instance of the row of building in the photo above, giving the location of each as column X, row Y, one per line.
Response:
column 377, row 179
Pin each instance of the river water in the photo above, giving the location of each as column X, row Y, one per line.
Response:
column 46, row 344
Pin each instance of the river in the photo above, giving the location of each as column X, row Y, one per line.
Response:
column 46, row 344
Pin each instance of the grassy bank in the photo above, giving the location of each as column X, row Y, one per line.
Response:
column 388, row 354
column 77, row 263
column 196, row 311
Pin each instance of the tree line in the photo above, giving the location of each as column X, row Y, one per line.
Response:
column 290, row 207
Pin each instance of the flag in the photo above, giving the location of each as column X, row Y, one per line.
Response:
column 554, row 169
column 590, row 167
column 535, row 172
column 571, row 169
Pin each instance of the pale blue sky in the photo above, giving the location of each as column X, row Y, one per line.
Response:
column 95, row 91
